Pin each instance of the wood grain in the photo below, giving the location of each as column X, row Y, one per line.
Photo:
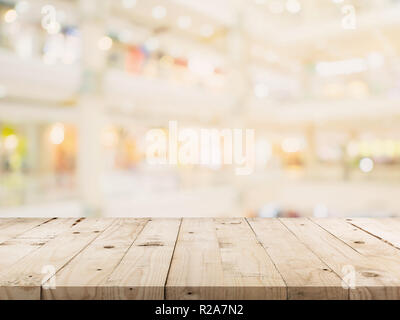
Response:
column 306, row 276
column 196, row 270
column 224, row 258
column 143, row 271
column 14, row 249
column 378, row 253
column 12, row 228
column 387, row 230
column 371, row 280
column 25, row 279
column 85, row 276
column 221, row 259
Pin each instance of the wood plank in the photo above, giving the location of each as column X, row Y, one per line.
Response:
column 372, row 280
column 221, row 259
column 85, row 276
column 248, row 270
column 5, row 222
column 306, row 276
column 15, row 227
column 363, row 242
column 13, row 250
column 196, row 270
column 24, row 279
column 49, row 229
column 143, row 271
column 376, row 250
column 385, row 229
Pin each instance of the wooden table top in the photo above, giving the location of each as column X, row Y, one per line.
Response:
column 227, row 258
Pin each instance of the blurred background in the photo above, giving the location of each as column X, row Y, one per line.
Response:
column 82, row 81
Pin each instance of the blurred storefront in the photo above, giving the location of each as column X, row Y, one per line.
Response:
column 82, row 82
